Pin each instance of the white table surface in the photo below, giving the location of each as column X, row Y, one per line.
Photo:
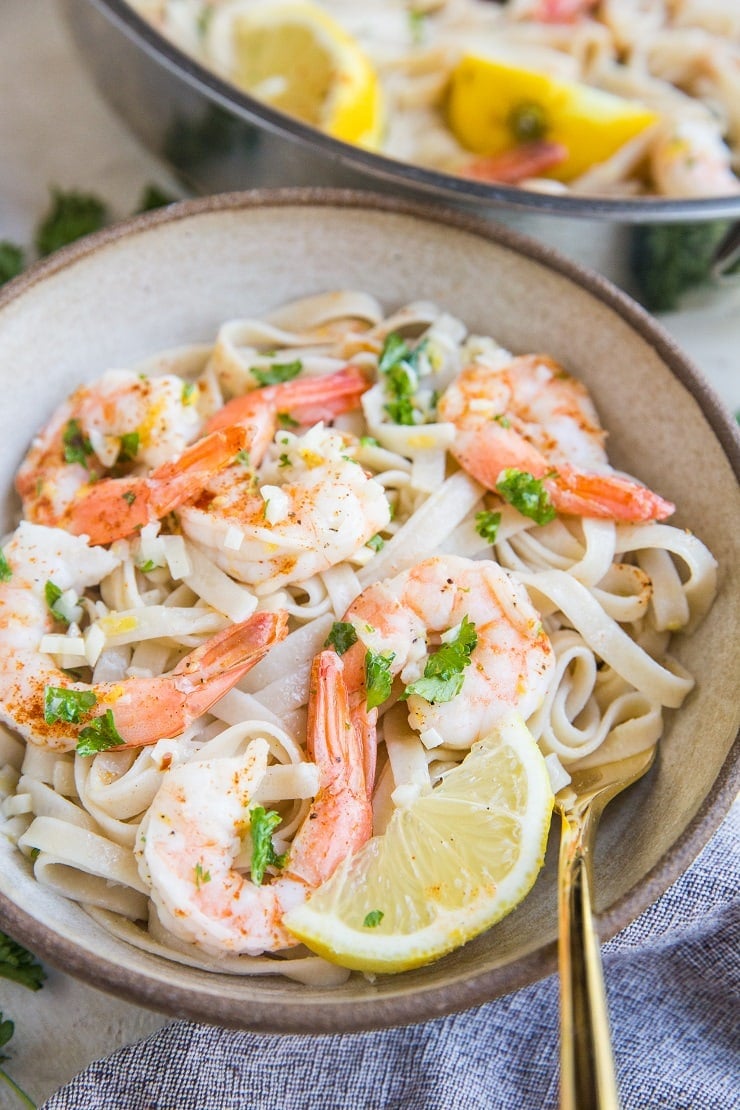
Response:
column 55, row 130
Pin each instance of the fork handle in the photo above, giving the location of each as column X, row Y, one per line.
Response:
column 587, row 1079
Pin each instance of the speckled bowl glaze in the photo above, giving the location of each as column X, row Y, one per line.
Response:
column 171, row 277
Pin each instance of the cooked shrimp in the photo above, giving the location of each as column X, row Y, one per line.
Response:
column 324, row 510
column 531, row 416
column 691, row 160
column 191, row 837
column 515, row 165
column 48, row 708
column 553, row 11
column 401, row 618
column 125, row 421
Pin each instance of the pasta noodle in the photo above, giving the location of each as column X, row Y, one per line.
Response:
column 676, row 58
column 609, row 592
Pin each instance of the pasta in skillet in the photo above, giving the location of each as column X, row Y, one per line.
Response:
column 210, row 543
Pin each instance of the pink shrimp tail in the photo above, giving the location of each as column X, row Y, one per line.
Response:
column 562, row 11
column 165, row 706
column 517, row 164
column 115, row 507
column 342, row 808
column 606, row 495
column 307, row 400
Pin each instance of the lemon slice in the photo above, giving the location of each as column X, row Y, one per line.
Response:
column 293, row 56
column 494, row 106
column 449, row 865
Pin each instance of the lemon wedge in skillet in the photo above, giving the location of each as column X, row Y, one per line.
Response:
column 293, row 56
column 450, row 864
column 494, row 106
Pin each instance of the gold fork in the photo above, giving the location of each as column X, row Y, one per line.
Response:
column 587, row 1080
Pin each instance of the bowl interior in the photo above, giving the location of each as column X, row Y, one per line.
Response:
column 172, row 277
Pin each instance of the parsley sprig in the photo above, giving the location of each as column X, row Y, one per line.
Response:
column 20, row 965
column 527, row 494
column 378, row 677
column 277, row 373
column 443, row 674
column 262, row 822
column 399, row 365
column 341, row 637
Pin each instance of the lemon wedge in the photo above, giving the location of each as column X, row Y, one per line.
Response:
column 494, row 106
column 294, row 57
column 450, row 864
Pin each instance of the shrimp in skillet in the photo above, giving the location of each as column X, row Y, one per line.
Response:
column 191, row 837
column 90, row 469
column 50, row 709
column 317, row 508
column 406, row 619
column 531, row 416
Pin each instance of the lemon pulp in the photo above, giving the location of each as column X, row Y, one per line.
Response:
column 449, row 865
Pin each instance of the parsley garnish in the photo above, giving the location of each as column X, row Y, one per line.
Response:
column 262, row 822
column 369, row 441
column 71, row 216
column 341, row 637
column 373, row 919
column 63, row 704
column 148, row 566
column 486, row 525
column 201, row 876
column 5, row 571
column 398, row 363
column 129, row 448
column 242, row 458
column 375, row 542
column 129, row 496
column 77, row 447
column 7, row 1028
column 11, row 261
column 278, row 372
column 100, row 735
column 503, row 420
column 285, row 420
column 443, row 673
column 188, row 393
column 18, row 964
column 527, row 494
column 378, row 677
column 284, row 461
column 52, row 593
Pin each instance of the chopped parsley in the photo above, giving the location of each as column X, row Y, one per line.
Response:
column 398, row 363
column 262, row 822
column 369, row 441
column 100, row 735
column 5, row 570
column 242, row 458
column 187, row 397
column 63, row 704
column 284, row 461
column 129, row 496
column 487, row 524
column 52, row 593
column 443, row 673
column 503, row 420
column 373, row 919
column 77, row 447
column 378, row 677
column 285, row 420
column 341, row 637
column 18, row 964
column 70, row 216
column 201, row 876
column 11, row 261
column 129, row 448
column 376, row 542
column 278, row 372
column 147, row 566
column 527, row 494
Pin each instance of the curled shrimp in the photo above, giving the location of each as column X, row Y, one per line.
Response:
column 553, row 11
column 191, row 837
column 403, row 618
column 690, row 159
column 318, row 509
column 48, row 708
column 529, row 415
column 124, row 422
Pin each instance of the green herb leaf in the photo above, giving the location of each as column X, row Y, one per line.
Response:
column 70, row 216
column 378, row 677
column 129, row 496
column 187, row 396
column 487, row 524
column 376, row 542
column 129, row 448
column 443, row 673
column 285, row 420
column 153, row 197
column 201, row 876
column 63, row 704
column 20, row 965
column 527, row 494
column 52, row 593
column 77, row 447
column 373, row 919
column 278, row 372
column 100, row 735
column 148, row 565
column 669, row 258
column 341, row 637
column 399, row 364
column 6, row 572
column 11, row 261
column 369, row 441
column 262, row 822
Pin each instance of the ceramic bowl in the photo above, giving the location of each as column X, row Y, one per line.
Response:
column 171, row 277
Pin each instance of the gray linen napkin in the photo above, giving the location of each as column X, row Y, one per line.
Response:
column 673, row 979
